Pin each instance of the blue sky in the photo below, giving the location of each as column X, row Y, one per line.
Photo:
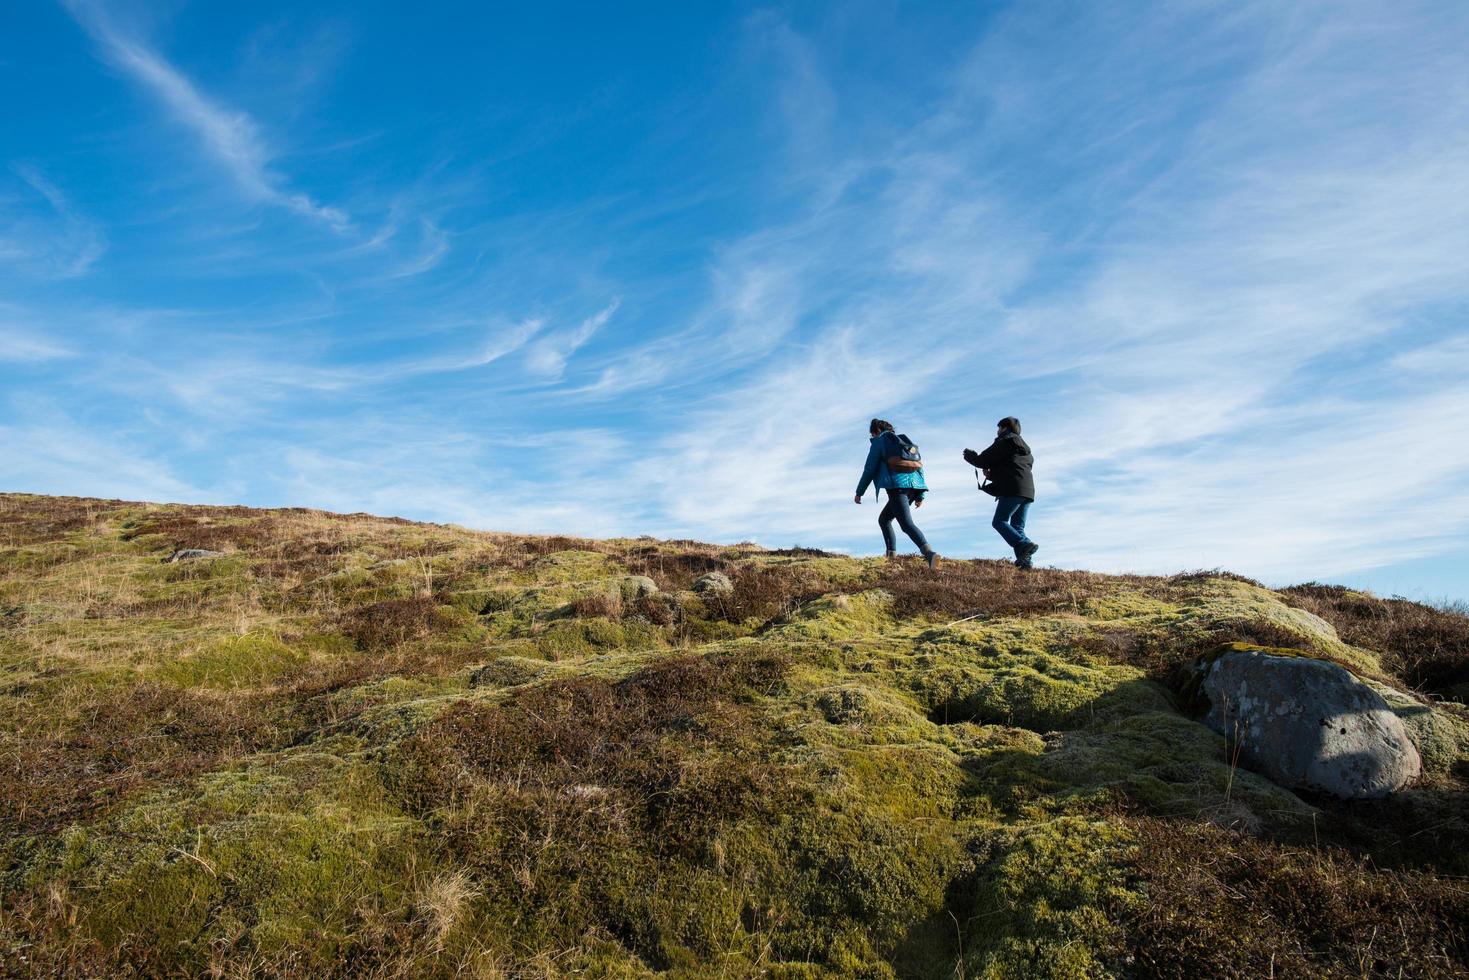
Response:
column 621, row 269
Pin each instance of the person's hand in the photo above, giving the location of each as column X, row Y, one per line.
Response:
column 918, row 502
column 971, row 457
column 856, row 498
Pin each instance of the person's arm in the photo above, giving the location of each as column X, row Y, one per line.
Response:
column 994, row 455
column 869, row 469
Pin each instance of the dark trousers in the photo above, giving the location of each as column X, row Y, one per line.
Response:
column 1010, row 520
column 897, row 509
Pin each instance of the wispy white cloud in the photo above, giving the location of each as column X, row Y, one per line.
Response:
column 1206, row 313
column 243, row 385
column 1212, row 257
column 58, row 242
column 49, row 452
column 434, row 245
column 16, row 346
column 232, row 137
column 548, row 356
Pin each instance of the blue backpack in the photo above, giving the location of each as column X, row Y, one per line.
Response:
column 904, row 456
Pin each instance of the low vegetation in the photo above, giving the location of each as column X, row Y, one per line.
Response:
column 357, row 746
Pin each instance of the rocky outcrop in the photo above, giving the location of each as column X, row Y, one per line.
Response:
column 191, row 554
column 713, row 583
column 1305, row 723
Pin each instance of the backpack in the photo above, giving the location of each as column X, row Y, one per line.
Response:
column 908, row 459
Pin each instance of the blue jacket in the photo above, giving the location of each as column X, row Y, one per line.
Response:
column 876, row 471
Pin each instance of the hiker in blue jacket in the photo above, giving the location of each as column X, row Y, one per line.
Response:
column 904, row 486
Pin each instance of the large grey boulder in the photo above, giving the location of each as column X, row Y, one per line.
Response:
column 638, row 586
column 713, row 583
column 1306, row 723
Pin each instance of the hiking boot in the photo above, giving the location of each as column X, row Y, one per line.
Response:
column 1023, row 563
column 932, row 558
column 1024, row 552
column 890, row 555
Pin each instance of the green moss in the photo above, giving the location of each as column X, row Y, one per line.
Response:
column 1126, row 605
column 234, row 662
column 571, row 639
column 1225, row 603
column 1049, row 899
column 1024, row 674
column 292, row 861
column 838, row 617
column 1173, row 766
column 563, row 567
column 1440, row 732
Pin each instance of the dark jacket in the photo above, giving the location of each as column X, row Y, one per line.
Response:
column 1009, row 461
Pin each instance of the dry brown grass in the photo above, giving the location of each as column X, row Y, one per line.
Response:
column 385, row 624
column 106, row 750
column 1221, row 904
column 606, row 605
column 646, row 747
column 991, row 588
column 1426, row 647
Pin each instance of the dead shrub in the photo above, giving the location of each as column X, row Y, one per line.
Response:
column 558, row 542
column 606, row 605
column 385, row 624
column 657, row 747
column 122, row 745
column 673, row 570
column 767, row 592
column 986, row 587
column 572, row 794
column 1221, row 904
column 1205, row 574
column 1426, row 647
column 660, row 610
column 203, row 531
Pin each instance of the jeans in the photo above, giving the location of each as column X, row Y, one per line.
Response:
column 1010, row 519
column 897, row 507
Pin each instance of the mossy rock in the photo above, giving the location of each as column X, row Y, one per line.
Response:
column 838, row 617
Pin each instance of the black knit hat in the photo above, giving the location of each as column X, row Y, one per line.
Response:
column 1010, row 422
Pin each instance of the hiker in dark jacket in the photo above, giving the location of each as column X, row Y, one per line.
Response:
column 1006, row 463
column 903, row 487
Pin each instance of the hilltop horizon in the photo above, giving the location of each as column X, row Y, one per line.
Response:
column 575, row 267
column 996, row 551
column 289, row 743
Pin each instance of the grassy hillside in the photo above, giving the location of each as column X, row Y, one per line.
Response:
column 360, row 746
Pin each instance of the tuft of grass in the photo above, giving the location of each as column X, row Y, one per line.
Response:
column 235, row 662
column 605, row 605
